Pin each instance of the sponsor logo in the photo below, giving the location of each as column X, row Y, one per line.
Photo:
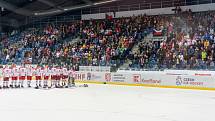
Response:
column 136, row 78
column 151, row 81
column 188, row 81
column 196, row 74
column 89, row 76
column 119, row 78
column 178, row 81
column 175, row 74
column 80, row 76
column 107, row 77
column 96, row 76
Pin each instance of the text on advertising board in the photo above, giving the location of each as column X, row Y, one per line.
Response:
column 119, row 78
column 187, row 81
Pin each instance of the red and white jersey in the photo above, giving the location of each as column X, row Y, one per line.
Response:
column 15, row 72
column 38, row 72
column 29, row 71
column 58, row 71
column 1, row 72
column 65, row 71
column 42, row 71
column 54, row 71
column 22, row 71
column 7, row 72
column 71, row 73
column 47, row 72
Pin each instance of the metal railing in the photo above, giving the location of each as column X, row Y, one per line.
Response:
column 117, row 8
column 144, row 5
column 43, row 21
column 95, row 68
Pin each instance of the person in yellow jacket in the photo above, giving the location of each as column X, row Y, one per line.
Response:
column 204, row 55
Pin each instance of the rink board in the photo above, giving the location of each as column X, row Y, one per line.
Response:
column 145, row 85
column 184, row 79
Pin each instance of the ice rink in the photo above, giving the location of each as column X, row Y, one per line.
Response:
column 107, row 103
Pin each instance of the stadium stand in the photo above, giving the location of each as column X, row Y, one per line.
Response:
column 189, row 42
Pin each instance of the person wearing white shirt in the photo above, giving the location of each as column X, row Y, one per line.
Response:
column 38, row 77
column 7, row 74
column 1, row 76
column 64, row 76
column 53, row 76
column 58, row 78
column 15, row 75
column 22, row 74
column 46, row 77
column 30, row 72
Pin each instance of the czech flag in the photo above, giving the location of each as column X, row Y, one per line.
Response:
column 157, row 32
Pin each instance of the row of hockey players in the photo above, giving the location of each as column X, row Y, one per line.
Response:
column 15, row 77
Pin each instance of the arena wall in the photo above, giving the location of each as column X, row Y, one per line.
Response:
column 162, row 11
column 203, row 80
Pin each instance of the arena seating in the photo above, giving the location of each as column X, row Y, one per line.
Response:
column 188, row 49
column 110, row 42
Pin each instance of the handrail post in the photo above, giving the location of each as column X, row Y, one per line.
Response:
column 161, row 4
column 56, row 20
column 173, row 4
column 139, row 6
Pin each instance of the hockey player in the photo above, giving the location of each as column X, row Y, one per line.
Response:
column 15, row 75
column 64, row 76
column 42, row 74
column 29, row 73
column 22, row 75
column 38, row 77
column 58, row 77
column 53, row 76
column 71, row 80
column 50, row 76
column 1, row 76
column 46, row 77
column 6, row 73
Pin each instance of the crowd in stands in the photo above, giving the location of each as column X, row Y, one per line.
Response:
column 189, row 45
column 101, row 42
column 188, row 48
column 39, row 45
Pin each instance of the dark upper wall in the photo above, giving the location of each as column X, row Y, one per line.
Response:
column 126, row 5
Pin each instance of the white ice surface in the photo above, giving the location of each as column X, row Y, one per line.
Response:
column 107, row 103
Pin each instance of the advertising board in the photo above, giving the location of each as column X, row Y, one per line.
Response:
column 172, row 78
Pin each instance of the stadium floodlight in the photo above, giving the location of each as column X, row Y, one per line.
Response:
column 2, row 8
column 104, row 2
column 48, row 12
column 77, row 7
column 15, row 9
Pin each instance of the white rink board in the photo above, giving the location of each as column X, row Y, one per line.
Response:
column 176, row 78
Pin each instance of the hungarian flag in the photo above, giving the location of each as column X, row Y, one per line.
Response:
column 157, row 32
